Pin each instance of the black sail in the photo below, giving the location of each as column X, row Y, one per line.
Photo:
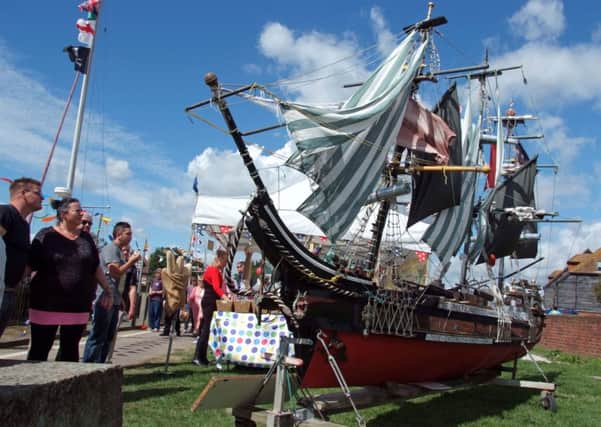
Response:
column 503, row 236
column 435, row 191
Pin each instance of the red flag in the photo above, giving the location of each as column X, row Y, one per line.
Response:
column 10, row 181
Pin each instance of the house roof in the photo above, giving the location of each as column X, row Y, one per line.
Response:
column 586, row 262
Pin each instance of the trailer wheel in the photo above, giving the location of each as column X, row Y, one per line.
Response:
column 548, row 401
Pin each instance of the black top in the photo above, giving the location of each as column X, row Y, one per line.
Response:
column 16, row 241
column 65, row 279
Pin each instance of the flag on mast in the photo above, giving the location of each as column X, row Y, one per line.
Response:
column 78, row 55
column 195, row 185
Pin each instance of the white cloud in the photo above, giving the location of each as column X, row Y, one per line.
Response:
column 564, row 241
column 559, row 75
column 315, row 65
column 563, row 191
column 222, row 173
column 565, row 148
column 539, row 20
column 303, row 59
column 118, row 169
column 386, row 39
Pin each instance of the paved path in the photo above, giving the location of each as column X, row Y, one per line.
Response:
column 133, row 347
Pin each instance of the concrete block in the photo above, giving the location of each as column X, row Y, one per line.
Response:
column 53, row 394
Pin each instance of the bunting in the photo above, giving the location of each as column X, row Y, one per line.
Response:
column 105, row 219
column 225, row 228
column 87, row 29
column 87, row 26
column 422, row 256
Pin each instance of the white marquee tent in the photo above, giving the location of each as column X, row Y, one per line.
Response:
column 214, row 212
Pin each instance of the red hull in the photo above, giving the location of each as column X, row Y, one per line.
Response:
column 375, row 359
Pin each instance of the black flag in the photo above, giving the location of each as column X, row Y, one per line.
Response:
column 79, row 57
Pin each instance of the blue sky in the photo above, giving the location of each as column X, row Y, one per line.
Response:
column 140, row 152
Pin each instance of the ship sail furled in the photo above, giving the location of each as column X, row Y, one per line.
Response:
column 435, row 191
column 344, row 150
column 502, row 213
column 449, row 229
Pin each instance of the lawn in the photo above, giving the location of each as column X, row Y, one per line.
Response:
column 152, row 398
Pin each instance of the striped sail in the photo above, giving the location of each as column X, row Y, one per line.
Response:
column 450, row 228
column 344, row 150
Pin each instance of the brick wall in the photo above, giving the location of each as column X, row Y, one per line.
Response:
column 576, row 334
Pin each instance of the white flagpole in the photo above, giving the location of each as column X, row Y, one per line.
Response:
column 68, row 190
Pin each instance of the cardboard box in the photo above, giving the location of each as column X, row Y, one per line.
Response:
column 242, row 306
column 224, row 305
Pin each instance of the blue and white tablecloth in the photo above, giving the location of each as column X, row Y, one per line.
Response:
column 237, row 338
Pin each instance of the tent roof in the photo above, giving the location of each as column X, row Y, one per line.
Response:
column 217, row 211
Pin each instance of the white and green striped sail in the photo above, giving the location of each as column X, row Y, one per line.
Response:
column 450, row 228
column 343, row 150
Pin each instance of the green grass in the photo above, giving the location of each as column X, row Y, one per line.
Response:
column 154, row 399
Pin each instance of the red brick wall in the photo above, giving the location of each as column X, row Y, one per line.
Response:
column 577, row 334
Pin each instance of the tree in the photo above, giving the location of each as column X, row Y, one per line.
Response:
column 157, row 259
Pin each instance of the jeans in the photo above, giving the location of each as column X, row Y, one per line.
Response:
column 42, row 338
column 6, row 310
column 104, row 325
column 156, row 309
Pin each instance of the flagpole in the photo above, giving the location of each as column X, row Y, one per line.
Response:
column 68, row 190
column 98, row 231
column 193, row 234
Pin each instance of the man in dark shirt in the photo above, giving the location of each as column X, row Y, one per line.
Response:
column 25, row 198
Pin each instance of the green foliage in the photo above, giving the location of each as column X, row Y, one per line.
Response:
column 157, row 259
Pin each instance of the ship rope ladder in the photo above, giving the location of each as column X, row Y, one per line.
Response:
column 390, row 313
column 392, row 252
column 349, row 251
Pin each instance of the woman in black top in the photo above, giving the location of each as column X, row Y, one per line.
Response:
column 67, row 268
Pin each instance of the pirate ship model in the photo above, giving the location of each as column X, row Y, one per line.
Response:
column 358, row 154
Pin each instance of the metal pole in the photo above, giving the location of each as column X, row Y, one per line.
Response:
column 171, row 328
column 68, row 190
column 98, row 231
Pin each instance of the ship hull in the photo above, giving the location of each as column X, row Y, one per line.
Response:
column 404, row 335
column 376, row 359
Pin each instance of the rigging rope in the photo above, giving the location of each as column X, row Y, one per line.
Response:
column 60, row 127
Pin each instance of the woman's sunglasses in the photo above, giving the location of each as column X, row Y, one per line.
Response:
column 86, row 222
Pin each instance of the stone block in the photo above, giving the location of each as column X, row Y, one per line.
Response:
column 53, row 394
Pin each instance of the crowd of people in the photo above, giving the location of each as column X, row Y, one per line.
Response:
column 70, row 279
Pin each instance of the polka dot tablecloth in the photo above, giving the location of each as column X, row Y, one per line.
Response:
column 237, row 338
